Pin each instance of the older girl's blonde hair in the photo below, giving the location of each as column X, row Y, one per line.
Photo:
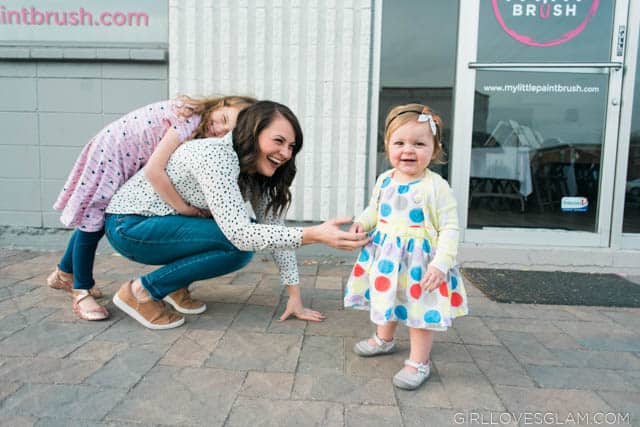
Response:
column 204, row 107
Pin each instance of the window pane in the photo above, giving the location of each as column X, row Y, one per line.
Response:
column 536, row 148
column 534, row 30
column 417, row 62
column 631, row 222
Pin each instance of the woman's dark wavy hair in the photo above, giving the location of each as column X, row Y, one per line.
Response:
column 251, row 122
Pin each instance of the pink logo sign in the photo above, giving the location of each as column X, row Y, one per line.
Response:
column 554, row 23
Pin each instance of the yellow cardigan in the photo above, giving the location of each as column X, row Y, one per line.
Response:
column 440, row 213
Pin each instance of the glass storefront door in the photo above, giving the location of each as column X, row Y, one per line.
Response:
column 540, row 151
column 417, row 66
column 626, row 220
column 631, row 221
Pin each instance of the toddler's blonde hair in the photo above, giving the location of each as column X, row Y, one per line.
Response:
column 403, row 114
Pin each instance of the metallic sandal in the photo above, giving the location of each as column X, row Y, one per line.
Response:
column 78, row 295
column 58, row 279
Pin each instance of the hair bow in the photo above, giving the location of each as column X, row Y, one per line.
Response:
column 432, row 124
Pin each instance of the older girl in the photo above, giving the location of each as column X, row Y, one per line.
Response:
column 148, row 136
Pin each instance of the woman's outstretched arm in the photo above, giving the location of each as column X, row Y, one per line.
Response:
column 330, row 234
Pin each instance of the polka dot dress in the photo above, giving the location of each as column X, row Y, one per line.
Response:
column 386, row 277
column 112, row 157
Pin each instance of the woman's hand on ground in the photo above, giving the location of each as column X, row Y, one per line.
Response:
column 330, row 234
column 302, row 313
column 296, row 309
column 299, row 311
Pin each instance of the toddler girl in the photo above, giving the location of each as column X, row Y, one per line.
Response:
column 146, row 136
column 407, row 272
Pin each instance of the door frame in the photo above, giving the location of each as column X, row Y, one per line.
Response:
column 464, row 95
column 620, row 240
column 374, row 101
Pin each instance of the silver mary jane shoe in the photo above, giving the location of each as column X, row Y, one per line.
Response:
column 364, row 349
column 411, row 380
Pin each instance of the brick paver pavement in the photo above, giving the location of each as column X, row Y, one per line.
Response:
column 237, row 365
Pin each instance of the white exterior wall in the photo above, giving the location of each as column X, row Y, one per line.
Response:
column 313, row 56
column 50, row 109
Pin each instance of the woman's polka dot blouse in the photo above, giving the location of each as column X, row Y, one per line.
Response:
column 205, row 172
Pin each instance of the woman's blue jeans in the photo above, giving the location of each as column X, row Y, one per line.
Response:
column 189, row 249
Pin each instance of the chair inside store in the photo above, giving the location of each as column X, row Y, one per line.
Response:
column 563, row 171
column 500, row 166
column 496, row 193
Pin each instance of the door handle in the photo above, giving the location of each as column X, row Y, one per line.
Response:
column 576, row 67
